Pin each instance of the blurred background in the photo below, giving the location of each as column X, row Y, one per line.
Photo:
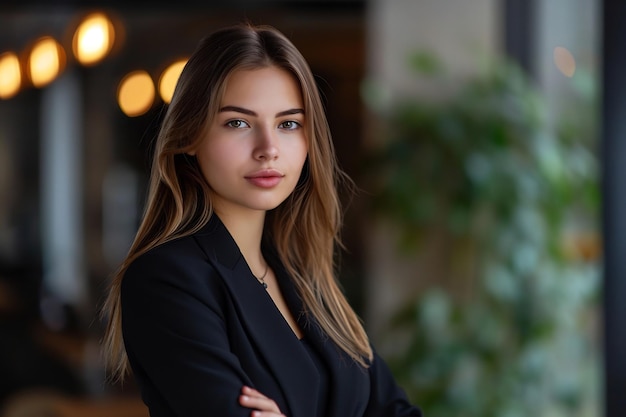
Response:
column 473, row 128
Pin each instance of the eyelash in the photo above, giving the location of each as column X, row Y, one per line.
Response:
column 296, row 124
column 240, row 124
column 230, row 123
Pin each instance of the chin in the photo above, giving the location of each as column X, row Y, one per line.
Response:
column 267, row 206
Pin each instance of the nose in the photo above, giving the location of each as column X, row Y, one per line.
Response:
column 266, row 148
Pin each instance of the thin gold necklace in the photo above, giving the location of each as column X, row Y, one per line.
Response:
column 261, row 279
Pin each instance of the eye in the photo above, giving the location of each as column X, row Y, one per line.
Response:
column 237, row 124
column 289, row 125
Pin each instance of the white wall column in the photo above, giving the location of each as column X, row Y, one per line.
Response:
column 61, row 191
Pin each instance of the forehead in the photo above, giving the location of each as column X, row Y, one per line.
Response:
column 262, row 88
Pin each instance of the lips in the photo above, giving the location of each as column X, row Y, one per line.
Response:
column 266, row 178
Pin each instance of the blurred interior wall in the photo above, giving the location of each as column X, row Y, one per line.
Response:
column 460, row 33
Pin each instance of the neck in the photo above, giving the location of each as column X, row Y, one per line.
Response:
column 247, row 231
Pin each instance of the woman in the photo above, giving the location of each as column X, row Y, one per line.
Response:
column 227, row 303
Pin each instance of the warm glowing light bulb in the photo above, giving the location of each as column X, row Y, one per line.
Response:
column 93, row 39
column 564, row 61
column 10, row 75
column 136, row 93
column 169, row 78
column 45, row 62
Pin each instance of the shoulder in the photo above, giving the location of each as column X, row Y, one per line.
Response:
column 194, row 266
column 180, row 251
column 179, row 263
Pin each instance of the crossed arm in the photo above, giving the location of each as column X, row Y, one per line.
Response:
column 176, row 338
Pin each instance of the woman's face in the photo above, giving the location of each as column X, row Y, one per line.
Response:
column 254, row 151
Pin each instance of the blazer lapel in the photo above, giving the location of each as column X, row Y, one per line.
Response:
column 350, row 383
column 350, row 386
column 267, row 328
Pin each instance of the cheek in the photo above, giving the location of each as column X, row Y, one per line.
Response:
column 298, row 154
column 224, row 151
column 219, row 156
column 214, row 163
column 303, row 158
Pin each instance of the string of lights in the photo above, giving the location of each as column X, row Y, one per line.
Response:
column 92, row 42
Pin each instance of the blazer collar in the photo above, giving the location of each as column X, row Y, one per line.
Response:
column 346, row 388
column 275, row 340
column 349, row 388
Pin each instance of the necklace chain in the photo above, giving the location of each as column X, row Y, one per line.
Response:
column 261, row 279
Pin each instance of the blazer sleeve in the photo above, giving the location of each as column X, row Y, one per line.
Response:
column 387, row 399
column 176, row 338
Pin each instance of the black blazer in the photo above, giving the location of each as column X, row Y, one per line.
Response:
column 197, row 326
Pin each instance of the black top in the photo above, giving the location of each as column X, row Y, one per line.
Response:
column 324, row 379
column 197, row 327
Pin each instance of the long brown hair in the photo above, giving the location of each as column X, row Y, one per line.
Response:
column 304, row 229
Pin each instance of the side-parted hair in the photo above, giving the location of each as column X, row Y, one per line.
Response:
column 304, row 229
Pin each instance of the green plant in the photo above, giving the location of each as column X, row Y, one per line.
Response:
column 486, row 167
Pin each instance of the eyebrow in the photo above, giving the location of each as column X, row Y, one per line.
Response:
column 251, row 113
